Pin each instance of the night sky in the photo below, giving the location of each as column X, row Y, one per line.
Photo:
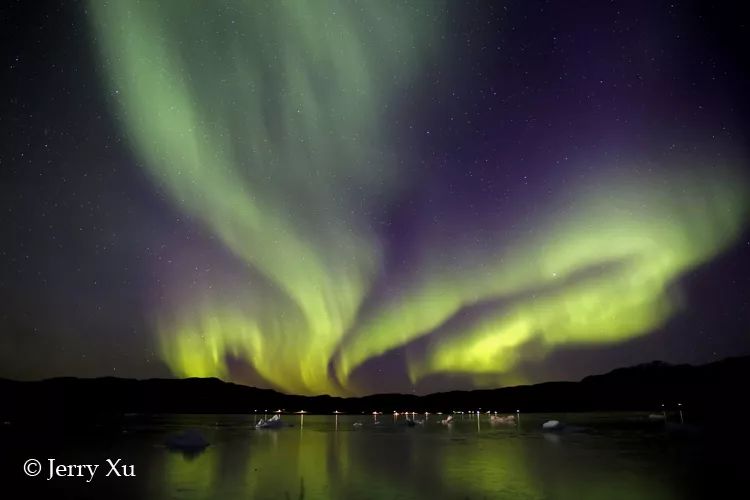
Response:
column 354, row 197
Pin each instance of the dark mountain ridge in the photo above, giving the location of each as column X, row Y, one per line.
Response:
column 698, row 389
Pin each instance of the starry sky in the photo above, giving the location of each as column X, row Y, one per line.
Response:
column 350, row 197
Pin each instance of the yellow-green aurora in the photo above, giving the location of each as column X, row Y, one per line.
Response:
column 266, row 121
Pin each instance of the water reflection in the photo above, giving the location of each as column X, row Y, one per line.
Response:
column 329, row 457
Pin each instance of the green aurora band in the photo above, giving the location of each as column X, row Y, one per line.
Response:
column 266, row 122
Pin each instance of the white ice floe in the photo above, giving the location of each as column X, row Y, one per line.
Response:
column 552, row 425
column 272, row 423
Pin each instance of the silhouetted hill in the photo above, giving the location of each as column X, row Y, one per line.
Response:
column 701, row 389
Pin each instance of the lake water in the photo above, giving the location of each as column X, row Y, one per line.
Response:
column 606, row 456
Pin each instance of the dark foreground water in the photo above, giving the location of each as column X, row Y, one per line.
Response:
column 606, row 456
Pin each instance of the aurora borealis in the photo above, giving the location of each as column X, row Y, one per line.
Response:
column 285, row 195
column 339, row 197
